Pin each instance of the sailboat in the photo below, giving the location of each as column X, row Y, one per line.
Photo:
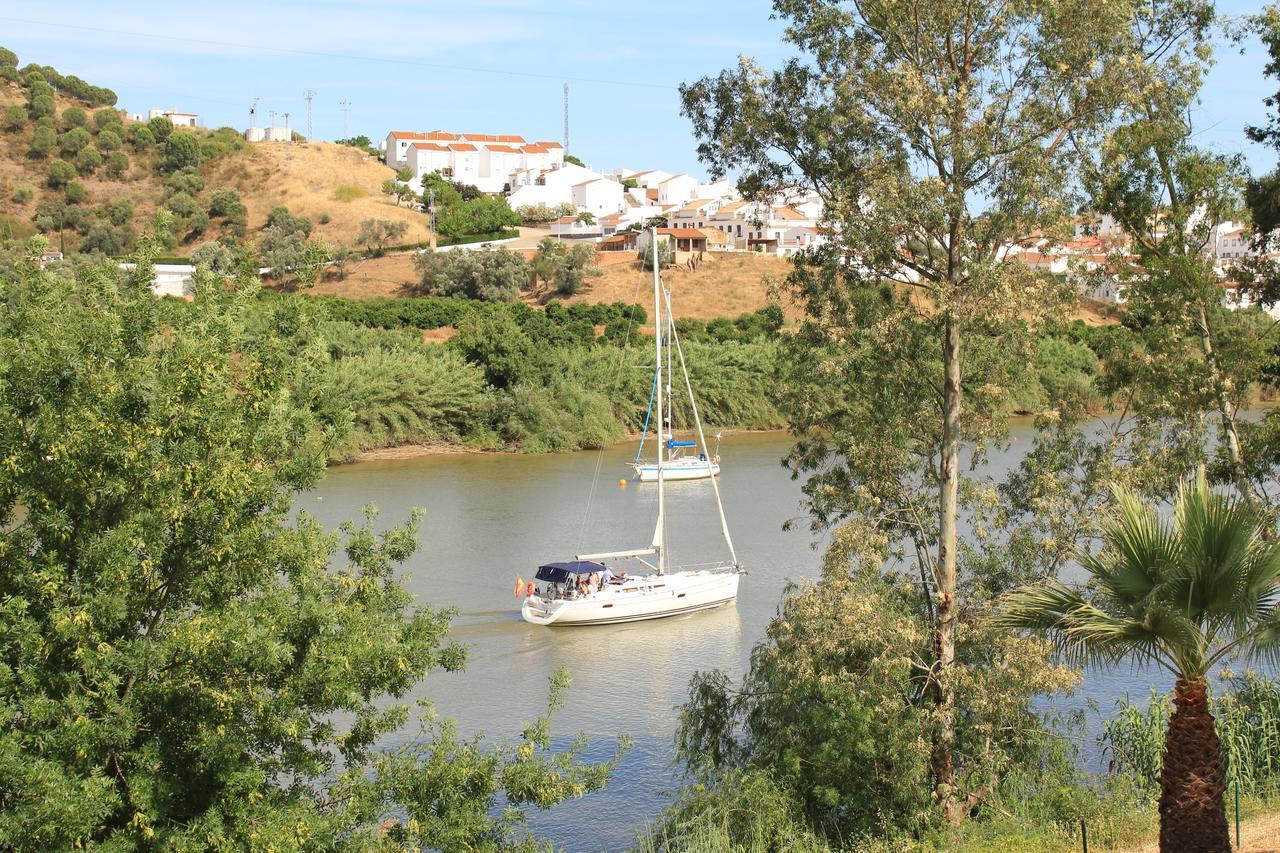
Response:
column 587, row 591
column 676, row 463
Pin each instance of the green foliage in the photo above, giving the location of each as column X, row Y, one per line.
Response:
column 40, row 105
column 74, row 140
column 374, row 234
column 108, row 140
column 404, row 392
column 362, row 142
column 117, row 164
column 280, row 218
column 105, row 118
column 569, row 158
column 348, row 192
column 107, row 239
column 217, row 257
column 8, row 58
column 22, row 193
column 186, row 666
column 88, row 161
column 540, row 214
column 482, row 215
column 160, row 128
column 562, row 268
column 60, row 173
column 225, row 202
column 1246, row 714
column 43, row 141
column 493, row 275
column 834, row 713
column 141, row 137
column 75, row 192
column 15, row 117
column 74, row 117
column 666, row 255
column 181, row 151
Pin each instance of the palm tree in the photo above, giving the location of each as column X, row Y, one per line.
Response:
column 1183, row 594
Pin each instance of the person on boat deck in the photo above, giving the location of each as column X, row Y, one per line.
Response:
column 593, row 582
column 606, row 576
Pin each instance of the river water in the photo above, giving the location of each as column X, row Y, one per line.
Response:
column 490, row 518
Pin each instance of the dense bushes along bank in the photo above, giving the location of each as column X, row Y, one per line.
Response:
column 522, row 379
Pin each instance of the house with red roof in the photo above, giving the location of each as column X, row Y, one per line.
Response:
column 485, row 160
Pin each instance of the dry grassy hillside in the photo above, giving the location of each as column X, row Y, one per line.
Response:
column 726, row 284
column 314, row 179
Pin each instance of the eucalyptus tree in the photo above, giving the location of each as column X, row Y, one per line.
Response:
column 1195, row 358
column 1183, row 594
column 938, row 133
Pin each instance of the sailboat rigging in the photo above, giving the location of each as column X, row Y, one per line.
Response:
column 585, row 590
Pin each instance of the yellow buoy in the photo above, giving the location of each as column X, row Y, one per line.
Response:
column 622, row 484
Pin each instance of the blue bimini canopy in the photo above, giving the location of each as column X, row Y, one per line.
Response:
column 563, row 572
column 671, row 442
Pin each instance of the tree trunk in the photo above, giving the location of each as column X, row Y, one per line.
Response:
column 1230, row 435
column 1193, row 779
column 941, row 760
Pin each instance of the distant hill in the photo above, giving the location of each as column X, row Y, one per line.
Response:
column 121, row 175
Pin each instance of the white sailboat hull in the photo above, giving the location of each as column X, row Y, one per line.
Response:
column 636, row 599
column 677, row 469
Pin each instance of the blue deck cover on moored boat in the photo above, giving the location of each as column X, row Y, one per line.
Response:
column 671, row 442
column 560, row 572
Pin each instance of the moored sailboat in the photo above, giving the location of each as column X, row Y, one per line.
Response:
column 587, row 591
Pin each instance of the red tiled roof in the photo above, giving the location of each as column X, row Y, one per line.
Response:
column 535, row 149
column 549, row 144
column 462, row 146
column 788, row 213
column 683, row 233
column 440, row 136
column 428, row 146
column 565, row 220
column 407, row 134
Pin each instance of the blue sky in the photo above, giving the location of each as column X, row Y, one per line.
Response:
column 484, row 66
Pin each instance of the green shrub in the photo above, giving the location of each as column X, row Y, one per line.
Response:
column 60, row 173
column 15, row 117
column 75, row 192
column 43, row 141
column 108, row 140
column 104, row 118
column 88, row 161
column 74, row 117
column 117, row 164
column 74, row 140
column 22, row 193
column 348, row 192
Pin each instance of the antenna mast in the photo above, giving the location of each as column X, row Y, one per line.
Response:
column 253, row 114
column 346, row 108
column 288, row 139
column 566, row 118
column 309, row 94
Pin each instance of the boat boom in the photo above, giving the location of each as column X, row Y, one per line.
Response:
column 610, row 555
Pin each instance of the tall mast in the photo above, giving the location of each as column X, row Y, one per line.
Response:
column 660, row 532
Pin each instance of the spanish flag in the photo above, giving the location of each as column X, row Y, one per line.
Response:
column 519, row 586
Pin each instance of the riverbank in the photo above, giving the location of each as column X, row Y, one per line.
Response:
column 444, row 448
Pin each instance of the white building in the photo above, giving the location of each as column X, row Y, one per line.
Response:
column 573, row 228
column 487, row 161
column 677, row 189
column 598, row 196
column 178, row 119
column 1231, row 241
column 553, row 185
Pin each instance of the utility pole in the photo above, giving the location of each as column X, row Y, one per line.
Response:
column 288, row 139
column 309, row 94
column 566, row 118
column 346, row 108
column 253, row 114
column 273, row 119
column 431, row 216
